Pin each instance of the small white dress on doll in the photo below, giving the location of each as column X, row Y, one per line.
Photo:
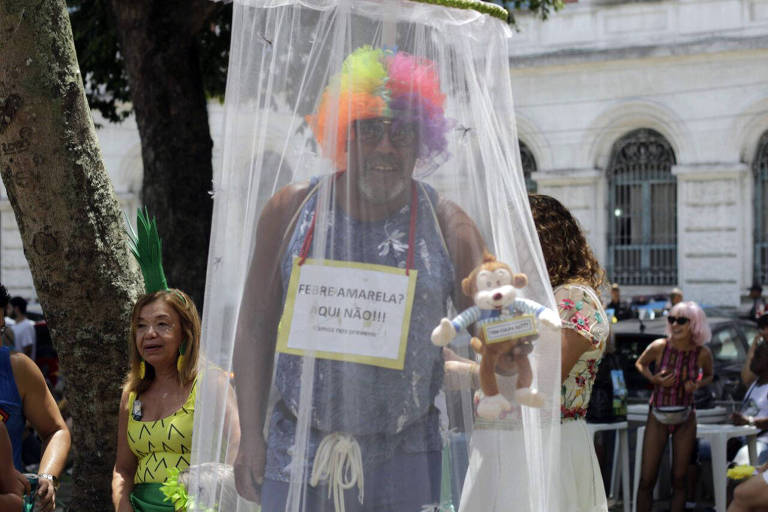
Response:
column 493, row 445
column 581, row 483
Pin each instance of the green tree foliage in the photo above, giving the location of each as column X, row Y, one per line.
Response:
column 541, row 8
column 102, row 65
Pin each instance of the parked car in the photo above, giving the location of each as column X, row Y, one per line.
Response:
column 729, row 345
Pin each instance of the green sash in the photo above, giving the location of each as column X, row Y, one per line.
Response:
column 149, row 498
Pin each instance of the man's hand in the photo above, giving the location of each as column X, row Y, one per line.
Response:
column 690, row 386
column 739, row 419
column 46, row 495
column 460, row 372
column 249, row 467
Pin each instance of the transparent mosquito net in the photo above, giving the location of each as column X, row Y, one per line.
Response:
column 370, row 158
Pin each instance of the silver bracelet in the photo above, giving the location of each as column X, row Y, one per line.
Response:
column 51, row 478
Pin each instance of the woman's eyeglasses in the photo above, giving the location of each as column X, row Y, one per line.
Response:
column 681, row 320
column 161, row 328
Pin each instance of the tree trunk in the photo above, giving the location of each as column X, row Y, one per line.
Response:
column 71, row 227
column 158, row 41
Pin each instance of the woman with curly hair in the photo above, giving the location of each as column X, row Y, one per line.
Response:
column 575, row 276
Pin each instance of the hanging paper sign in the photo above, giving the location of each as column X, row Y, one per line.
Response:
column 347, row 311
column 509, row 328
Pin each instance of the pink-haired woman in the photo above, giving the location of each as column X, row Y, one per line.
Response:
column 682, row 364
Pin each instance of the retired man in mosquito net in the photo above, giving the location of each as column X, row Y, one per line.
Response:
column 351, row 272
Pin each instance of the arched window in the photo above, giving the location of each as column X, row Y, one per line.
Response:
column 642, row 236
column 760, row 168
column 529, row 167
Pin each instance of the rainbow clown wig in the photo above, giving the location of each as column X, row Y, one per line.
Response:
column 381, row 83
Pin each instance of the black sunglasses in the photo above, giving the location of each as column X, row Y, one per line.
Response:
column 401, row 133
column 681, row 320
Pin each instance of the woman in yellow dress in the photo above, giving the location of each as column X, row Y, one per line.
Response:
column 158, row 402
column 154, row 440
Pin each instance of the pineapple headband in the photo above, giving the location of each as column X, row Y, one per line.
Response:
column 147, row 249
column 381, row 83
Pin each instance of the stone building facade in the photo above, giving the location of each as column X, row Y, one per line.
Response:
column 648, row 119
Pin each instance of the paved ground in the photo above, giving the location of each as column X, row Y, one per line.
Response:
column 64, row 495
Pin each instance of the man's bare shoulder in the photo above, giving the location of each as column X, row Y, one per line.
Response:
column 449, row 208
column 287, row 199
column 451, row 214
column 458, row 227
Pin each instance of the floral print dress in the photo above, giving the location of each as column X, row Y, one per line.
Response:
column 581, row 310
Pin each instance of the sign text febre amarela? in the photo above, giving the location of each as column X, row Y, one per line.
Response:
column 350, row 293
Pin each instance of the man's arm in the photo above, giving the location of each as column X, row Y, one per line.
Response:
column 42, row 412
column 761, row 422
column 231, row 416
column 465, row 245
column 256, row 336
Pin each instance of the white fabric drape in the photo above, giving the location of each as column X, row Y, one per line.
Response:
column 280, row 189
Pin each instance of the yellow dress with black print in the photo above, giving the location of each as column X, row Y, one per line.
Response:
column 159, row 445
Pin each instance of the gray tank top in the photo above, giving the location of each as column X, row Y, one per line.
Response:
column 370, row 402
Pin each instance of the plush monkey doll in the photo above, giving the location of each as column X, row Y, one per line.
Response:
column 502, row 323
